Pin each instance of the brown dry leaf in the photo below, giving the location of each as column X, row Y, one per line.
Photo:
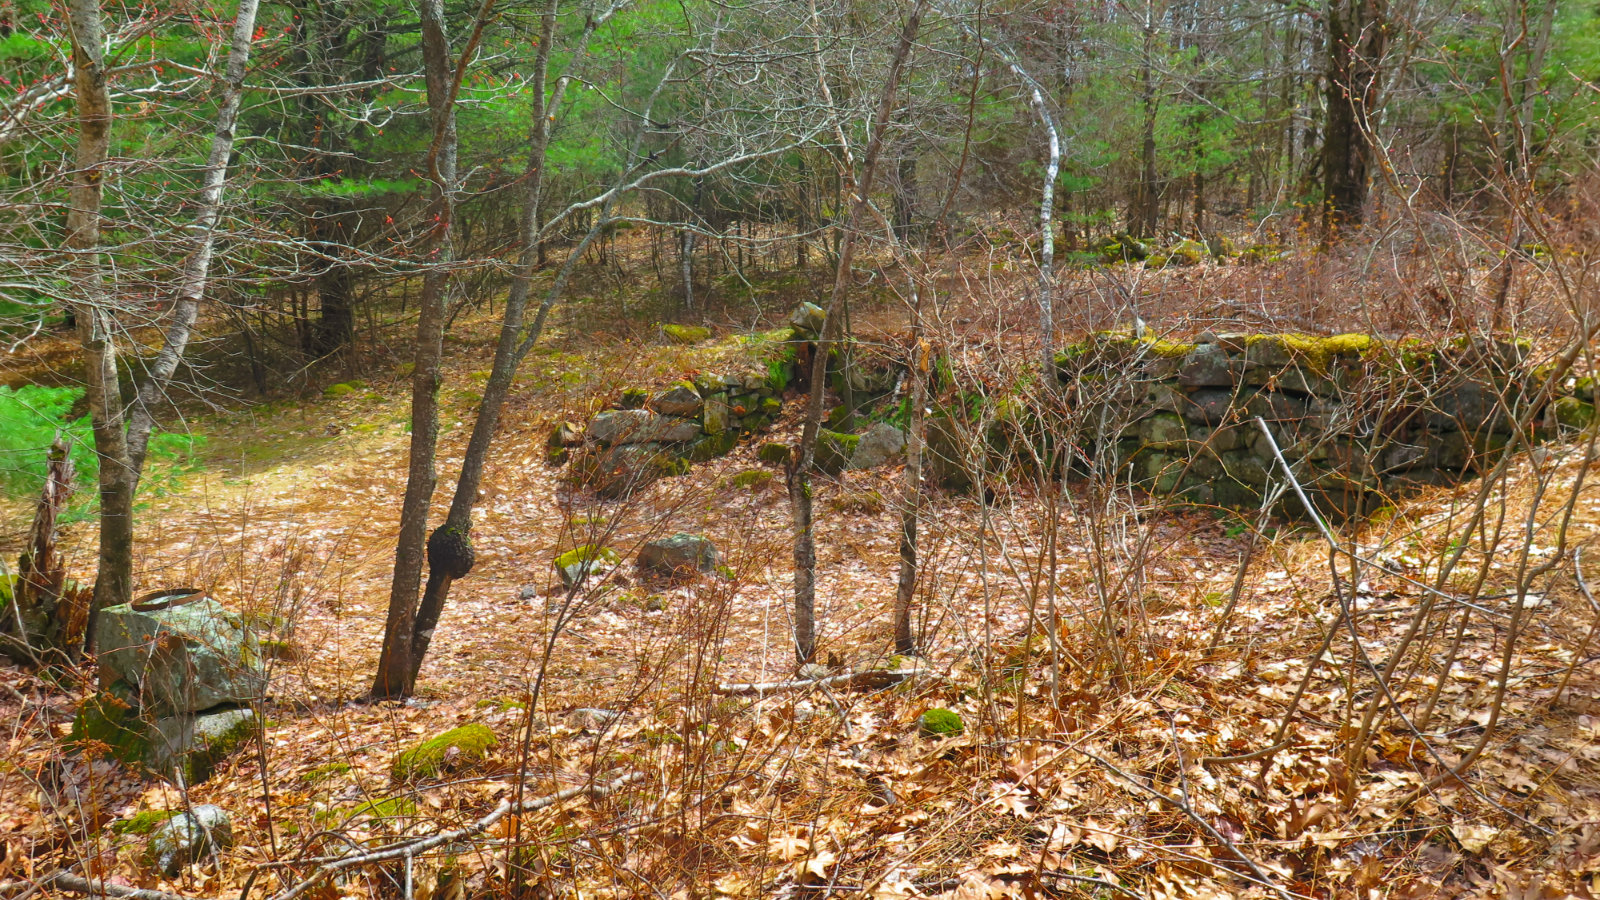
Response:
column 1473, row 838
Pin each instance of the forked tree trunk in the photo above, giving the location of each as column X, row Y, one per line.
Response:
column 450, row 553
column 395, row 668
column 799, row 476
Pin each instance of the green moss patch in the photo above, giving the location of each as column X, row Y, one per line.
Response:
column 686, row 334
column 939, row 722
column 750, row 478
column 143, row 822
column 452, row 750
column 107, row 725
column 587, row 553
column 344, row 389
column 324, row 772
column 387, row 808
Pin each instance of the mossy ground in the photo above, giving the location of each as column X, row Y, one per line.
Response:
column 454, row 749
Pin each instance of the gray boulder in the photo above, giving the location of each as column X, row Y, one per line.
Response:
column 882, row 444
column 183, row 658
column 1207, row 365
column 188, row 837
column 191, row 745
column 808, row 318
column 640, row 426
column 619, row 471
column 680, row 554
column 716, row 414
column 681, row 400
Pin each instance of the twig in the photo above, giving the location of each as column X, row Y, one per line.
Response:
column 1085, row 879
column 1246, row 757
column 1260, row 876
column 423, row 845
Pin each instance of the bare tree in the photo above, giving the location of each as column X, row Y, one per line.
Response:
column 804, row 458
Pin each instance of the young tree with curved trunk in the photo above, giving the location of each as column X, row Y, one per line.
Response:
column 395, row 670
column 804, row 457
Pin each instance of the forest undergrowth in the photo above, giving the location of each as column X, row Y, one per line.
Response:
column 1187, row 732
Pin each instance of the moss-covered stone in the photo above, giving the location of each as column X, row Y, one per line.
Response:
column 455, row 749
column 774, row 453
column 939, row 722
column 1183, row 253
column 143, row 822
column 712, row 446
column 107, row 724
column 750, row 478
column 686, row 334
column 1316, row 352
column 1574, row 413
column 580, row 562
column 344, row 389
column 834, row 450
column 633, row 398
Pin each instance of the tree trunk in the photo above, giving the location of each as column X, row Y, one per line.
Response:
column 1357, row 38
column 395, row 665
column 686, row 267
column 197, row 267
column 905, row 639
column 96, row 320
column 1147, row 199
column 799, row 476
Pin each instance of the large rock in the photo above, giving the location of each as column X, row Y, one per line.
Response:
column 640, row 426
column 679, row 400
column 179, row 659
column 1207, row 365
column 680, row 554
column 808, row 319
column 191, row 745
column 880, row 445
column 618, row 471
column 188, row 837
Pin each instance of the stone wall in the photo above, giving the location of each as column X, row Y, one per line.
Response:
column 1358, row 418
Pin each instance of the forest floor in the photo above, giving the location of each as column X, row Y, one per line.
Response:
column 1081, row 773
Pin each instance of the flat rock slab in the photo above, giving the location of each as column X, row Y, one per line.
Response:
column 188, row 837
column 640, row 426
column 181, row 659
column 680, row 554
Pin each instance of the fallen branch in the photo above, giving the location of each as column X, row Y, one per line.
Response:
column 93, row 887
column 423, row 845
column 878, row 678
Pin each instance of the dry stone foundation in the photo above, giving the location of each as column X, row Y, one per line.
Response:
column 1356, row 417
